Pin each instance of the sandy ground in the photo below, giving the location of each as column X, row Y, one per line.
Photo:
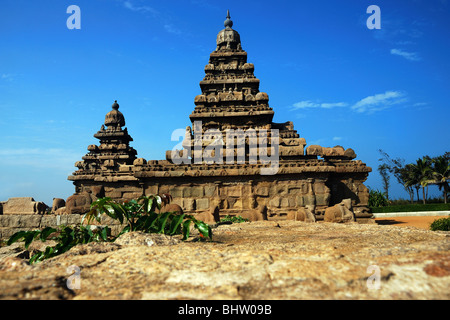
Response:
column 419, row 222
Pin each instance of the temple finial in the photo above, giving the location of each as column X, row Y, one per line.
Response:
column 228, row 23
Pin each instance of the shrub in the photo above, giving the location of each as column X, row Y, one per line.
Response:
column 137, row 215
column 442, row 224
column 140, row 215
column 233, row 219
column 377, row 199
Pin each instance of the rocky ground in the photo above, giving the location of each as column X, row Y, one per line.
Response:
column 258, row 260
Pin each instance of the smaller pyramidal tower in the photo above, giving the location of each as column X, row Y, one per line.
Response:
column 114, row 149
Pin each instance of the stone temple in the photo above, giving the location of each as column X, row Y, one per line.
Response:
column 233, row 160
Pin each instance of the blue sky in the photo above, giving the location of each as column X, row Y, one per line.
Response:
column 338, row 81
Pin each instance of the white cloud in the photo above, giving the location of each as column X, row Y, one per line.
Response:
column 130, row 6
column 369, row 105
column 379, row 102
column 337, row 138
column 171, row 29
column 309, row 104
column 411, row 56
column 7, row 77
column 161, row 18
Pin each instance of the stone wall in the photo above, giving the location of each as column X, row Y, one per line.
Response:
column 10, row 224
column 234, row 195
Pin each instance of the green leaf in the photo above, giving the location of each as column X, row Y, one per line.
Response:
column 176, row 222
column 163, row 220
column 104, row 233
column 16, row 237
column 89, row 235
column 186, row 229
column 119, row 212
column 46, row 232
column 49, row 251
column 29, row 237
column 149, row 221
column 37, row 257
column 149, row 205
column 204, row 228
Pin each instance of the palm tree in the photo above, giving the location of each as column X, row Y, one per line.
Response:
column 441, row 173
column 409, row 179
column 423, row 174
column 419, row 175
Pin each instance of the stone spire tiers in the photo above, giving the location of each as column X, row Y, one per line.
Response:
column 231, row 99
column 223, row 165
column 114, row 150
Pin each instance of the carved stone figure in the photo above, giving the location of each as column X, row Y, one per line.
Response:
column 58, row 203
column 340, row 213
column 79, row 203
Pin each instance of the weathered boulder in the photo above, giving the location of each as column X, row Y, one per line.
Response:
column 340, row 213
column 266, row 260
column 146, row 239
column 24, row 205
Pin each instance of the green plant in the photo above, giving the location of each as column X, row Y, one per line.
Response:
column 442, row 224
column 233, row 219
column 137, row 215
column 65, row 237
column 140, row 215
column 377, row 199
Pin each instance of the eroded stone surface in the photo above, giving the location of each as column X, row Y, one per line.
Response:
column 257, row 260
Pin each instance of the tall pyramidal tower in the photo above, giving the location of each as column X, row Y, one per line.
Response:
column 231, row 100
column 234, row 160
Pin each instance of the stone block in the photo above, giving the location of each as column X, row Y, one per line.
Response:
column 238, row 204
column 262, row 191
column 20, row 221
column 309, row 200
column 188, row 204
column 71, row 219
column 176, row 192
column 8, row 221
column 323, row 199
column 294, row 190
column 284, row 202
column 23, row 205
column 299, row 201
column 321, row 188
column 210, row 190
column 195, row 192
column 50, row 221
column 149, row 190
column 202, row 204
column 275, row 202
column 131, row 195
column 234, row 191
